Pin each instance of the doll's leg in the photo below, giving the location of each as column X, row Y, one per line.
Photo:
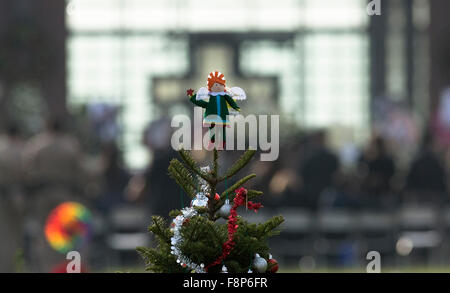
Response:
column 224, row 134
column 221, row 139
column 212, row 134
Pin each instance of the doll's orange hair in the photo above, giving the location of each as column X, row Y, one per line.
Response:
column 214, row 77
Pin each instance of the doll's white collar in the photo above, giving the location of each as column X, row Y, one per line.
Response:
column 217, row 93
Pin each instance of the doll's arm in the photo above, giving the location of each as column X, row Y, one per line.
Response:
column 232, row 103
column 199, row 103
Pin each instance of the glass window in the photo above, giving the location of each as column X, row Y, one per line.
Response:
column 116, row 47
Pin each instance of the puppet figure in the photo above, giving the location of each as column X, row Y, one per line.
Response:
column 216, row 99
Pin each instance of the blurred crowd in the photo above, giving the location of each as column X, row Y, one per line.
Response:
column 38, row 173
column 312, row 174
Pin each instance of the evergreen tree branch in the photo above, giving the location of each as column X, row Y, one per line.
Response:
column 253, row 193
column 215, row 164
column 236, row 185
column 239, row 164
column 229, row 193
column 181, row 169
column 267, row 229
column 148, row 254
column 201, row 210
column 174, row 213
column 159, row 260
column 203, row 239
column 190, row 162
column 212, row 203
column 158, row 228
column 192, row 234
column 183, row 178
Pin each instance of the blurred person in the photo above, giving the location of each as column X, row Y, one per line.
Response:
column 115, row 179
column 318, row 170
column 426, row 179
column 54, row 175
column 12, row 198
column 378, row 168
column 281, row 181
column 154, row 187
column 344, row 194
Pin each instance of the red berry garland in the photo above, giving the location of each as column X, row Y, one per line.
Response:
column 239, row 200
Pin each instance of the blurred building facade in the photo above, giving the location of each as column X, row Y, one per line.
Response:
column 135, row 46
column 327, row 60
column 33, row 39
column 320, row 64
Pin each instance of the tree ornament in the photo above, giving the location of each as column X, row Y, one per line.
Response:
column 224, row 211
column 200, row 200
column 273, row 264
column 259, row 264
column 224, row 269
column 190, row 92
column 217, row 99
column 217, row 196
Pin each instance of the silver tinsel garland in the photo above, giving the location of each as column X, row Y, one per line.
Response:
column 177, row 223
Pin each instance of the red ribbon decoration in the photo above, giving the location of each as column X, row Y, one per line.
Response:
column 239, row 200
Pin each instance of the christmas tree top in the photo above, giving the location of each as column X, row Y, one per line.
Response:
column 195, row 241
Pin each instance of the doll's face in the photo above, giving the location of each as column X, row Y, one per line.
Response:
column 217, row 87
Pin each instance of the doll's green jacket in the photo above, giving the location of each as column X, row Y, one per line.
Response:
column 216, row 108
